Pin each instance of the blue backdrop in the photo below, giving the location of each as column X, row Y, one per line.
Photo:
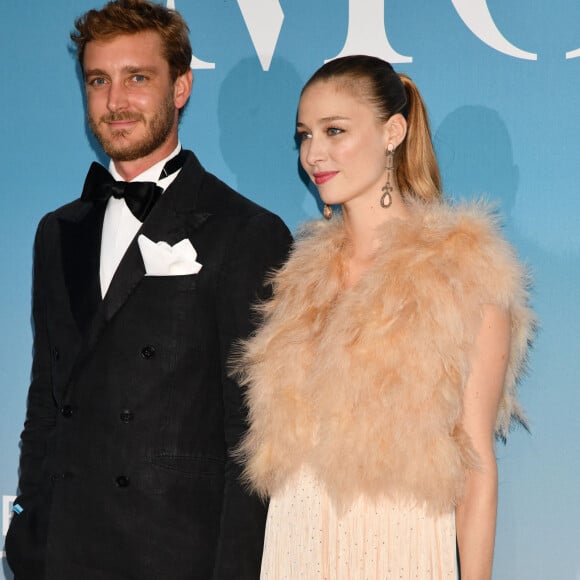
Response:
column 501, row 80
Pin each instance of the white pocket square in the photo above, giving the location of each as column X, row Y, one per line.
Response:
column 161, row 259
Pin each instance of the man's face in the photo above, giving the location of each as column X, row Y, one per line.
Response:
column 132, row 102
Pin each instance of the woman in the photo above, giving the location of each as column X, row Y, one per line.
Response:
column 389, row 354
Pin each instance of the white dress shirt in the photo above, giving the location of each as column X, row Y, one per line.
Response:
column 120, row 225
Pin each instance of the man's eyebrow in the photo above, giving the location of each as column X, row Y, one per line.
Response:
column 94, row 71
column 140, row 69
column 132, row 69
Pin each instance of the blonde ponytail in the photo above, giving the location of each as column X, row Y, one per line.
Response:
column 417, row 170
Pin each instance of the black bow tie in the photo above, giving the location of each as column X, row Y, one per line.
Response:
column 140, row 196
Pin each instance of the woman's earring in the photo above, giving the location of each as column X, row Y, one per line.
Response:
column 387, row 198
column 327, row 212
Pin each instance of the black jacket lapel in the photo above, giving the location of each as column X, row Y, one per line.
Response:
column 81, row 250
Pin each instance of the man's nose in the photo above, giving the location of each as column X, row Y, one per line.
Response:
column 117, row 97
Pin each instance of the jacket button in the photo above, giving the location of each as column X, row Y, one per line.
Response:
column 55, row 353
column 66, row 411
column 122, row 481
column 148, row 351
column 126, row 416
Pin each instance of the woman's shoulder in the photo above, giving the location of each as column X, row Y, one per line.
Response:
column 313, row 266
column 469, row 231
column 478, row 220
column 461, row 245
column 316, row 244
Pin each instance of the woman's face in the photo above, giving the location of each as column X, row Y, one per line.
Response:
column 342, row 143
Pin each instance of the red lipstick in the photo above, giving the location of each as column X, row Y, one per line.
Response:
column 323, row 176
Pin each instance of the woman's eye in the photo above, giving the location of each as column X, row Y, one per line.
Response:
column 334, row 131
column 303, row 135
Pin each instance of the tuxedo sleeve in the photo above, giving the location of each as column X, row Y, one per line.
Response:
column 259, row 246
column 26, row 537
column 40, row 415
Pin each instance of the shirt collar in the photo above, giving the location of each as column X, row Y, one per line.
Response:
column 152, row 173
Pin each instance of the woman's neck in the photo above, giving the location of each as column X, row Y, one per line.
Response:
column 362, row 221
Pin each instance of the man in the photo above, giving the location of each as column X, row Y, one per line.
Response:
column 126, row 469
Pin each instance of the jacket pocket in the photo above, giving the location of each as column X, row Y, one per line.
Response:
column 190, row 465
column 166, row 474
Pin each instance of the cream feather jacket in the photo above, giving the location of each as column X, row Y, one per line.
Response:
column 365, row 385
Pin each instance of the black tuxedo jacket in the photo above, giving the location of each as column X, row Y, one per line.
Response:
column 125, row 470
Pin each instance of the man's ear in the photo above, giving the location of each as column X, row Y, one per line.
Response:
column 182, row 89
column 395, row 130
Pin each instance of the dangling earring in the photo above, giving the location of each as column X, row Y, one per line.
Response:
column 327, row 212
column 387, row 198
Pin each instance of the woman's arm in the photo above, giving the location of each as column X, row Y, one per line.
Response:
column 476, row 514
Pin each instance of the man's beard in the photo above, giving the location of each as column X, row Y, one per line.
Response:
column 158, row 129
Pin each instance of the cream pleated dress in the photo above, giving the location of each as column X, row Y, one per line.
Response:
column 382, row 540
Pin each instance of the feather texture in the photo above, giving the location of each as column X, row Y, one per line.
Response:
column 365, row 385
